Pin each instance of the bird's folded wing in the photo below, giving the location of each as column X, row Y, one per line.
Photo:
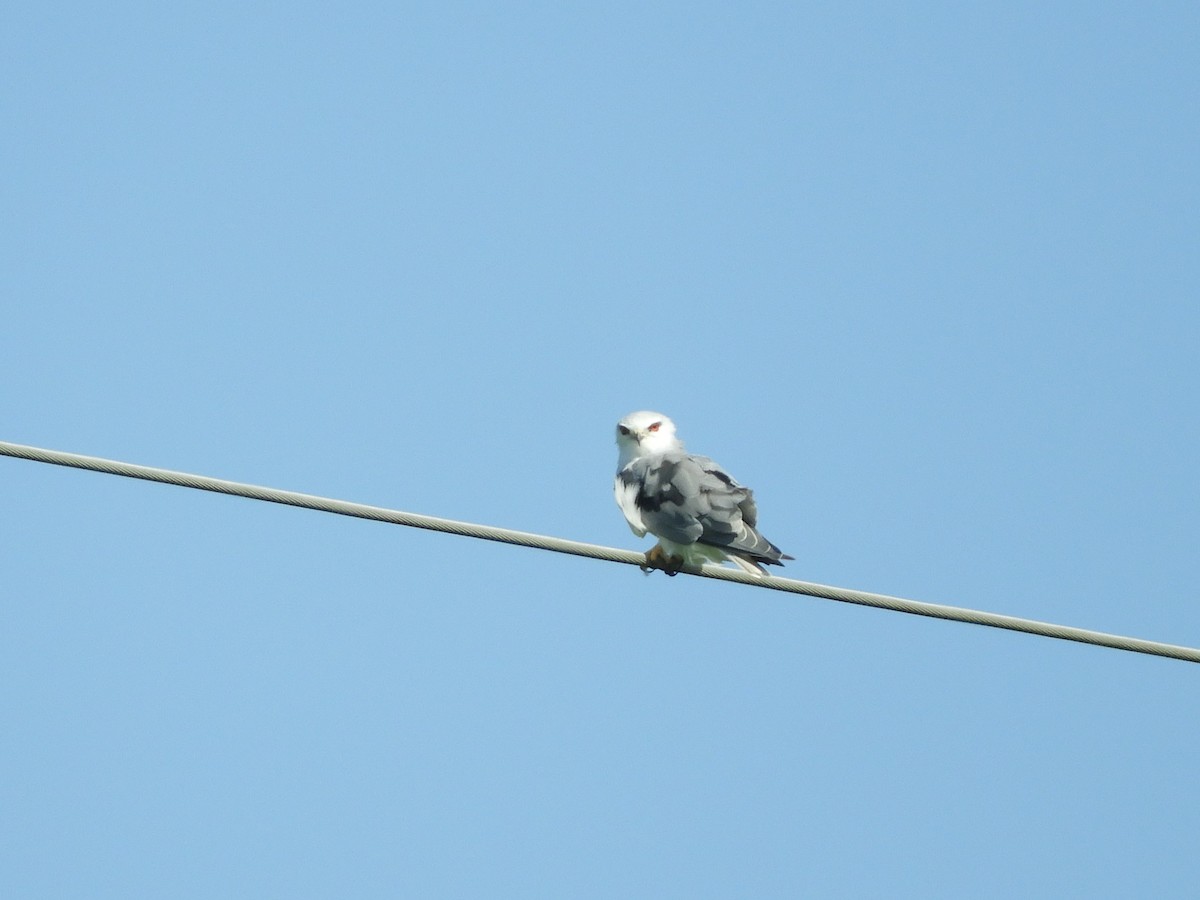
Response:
column 686, row 499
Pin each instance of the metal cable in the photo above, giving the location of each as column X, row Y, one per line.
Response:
column 595, row 551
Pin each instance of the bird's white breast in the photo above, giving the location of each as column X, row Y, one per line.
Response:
column 626, row 495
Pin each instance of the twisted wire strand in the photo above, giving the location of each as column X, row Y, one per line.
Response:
column 595, row 551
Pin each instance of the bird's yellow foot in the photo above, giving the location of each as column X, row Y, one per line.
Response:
column 658, row 558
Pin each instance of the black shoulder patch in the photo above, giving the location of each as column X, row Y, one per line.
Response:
column 658, row 488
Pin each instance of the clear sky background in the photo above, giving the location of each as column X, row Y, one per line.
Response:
column 924, row 276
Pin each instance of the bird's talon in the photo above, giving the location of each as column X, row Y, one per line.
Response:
column 657, row 558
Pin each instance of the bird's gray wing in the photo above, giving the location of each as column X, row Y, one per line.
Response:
column 690, row 499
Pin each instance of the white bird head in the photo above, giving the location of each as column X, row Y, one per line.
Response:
column 645, row 433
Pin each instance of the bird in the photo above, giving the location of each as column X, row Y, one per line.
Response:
column 698, row 512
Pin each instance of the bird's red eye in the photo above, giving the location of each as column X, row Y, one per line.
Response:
column 655, row 426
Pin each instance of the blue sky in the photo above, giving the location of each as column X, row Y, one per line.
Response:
column 925, row 277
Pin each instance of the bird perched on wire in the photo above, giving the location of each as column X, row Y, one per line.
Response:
column 694, row 507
